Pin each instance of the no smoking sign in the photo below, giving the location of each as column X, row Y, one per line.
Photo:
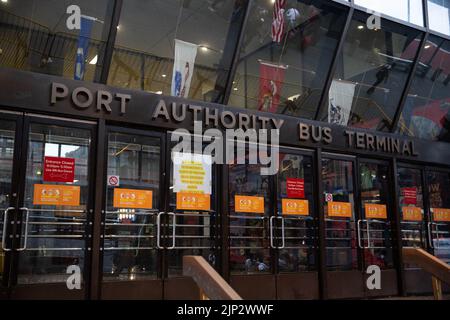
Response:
column 113, row 181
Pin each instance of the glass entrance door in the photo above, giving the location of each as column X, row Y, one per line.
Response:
column 343, row 262
column 48, row 226
column 273, row 228
column 439, row 209
column 413, row 225
column 9, row 125
column 131, row 259
column 375, row 230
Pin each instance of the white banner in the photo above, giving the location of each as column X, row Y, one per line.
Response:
column 183, row 68
column 191, row 172
column 340, row 102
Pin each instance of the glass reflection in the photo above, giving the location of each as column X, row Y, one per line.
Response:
column 371, row 74
column 439, row 15
column 426, row 110
column 287, row 76
column 406, row 10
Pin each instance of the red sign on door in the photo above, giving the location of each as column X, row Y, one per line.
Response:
column 58, row 169
column 295, row 188
column 409, row 195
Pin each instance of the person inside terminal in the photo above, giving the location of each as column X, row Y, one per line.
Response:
column 113, row 114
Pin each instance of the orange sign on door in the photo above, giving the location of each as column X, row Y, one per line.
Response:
column 133, row 198
column 411, row 213
column 441, row 214
column 375, row 211
column 193, row 201
column 249, row 204
column 295, row 207
column 56, row 195
column 339, row 209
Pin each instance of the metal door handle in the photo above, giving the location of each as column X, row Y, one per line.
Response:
column 5, row 223
column 358, row 233
column 282, row 234
column 430, row 235
column 158, row 230
column 25, row 240
column 173, row 229
column 271, row 232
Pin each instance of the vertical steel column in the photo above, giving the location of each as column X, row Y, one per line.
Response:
column 397, row 232
column 99, row 186
column 318, row 188
column 109, row 48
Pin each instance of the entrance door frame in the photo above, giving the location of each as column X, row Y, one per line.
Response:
column 21, row 146
column 395, row 225
column 135, row 289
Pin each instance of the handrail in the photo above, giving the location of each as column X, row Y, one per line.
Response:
column 211, row 284
column 439, row 270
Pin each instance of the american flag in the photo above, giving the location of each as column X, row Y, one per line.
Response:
column 278, row 20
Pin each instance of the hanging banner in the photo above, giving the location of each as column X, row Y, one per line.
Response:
column 192, row 172
column 340, row 102
column 183, row 68
column 441, row 214
column 193, row 201
column 57, row 169
column 295, row 188
column 278, row 20
column 375, row 211
column 339, row 209
column 56, row 195
column 271, row 79
column 249, row 204
column 411, row 213
column 295, row 207
column 83, row 47
column 409, row 195
column 133, row 198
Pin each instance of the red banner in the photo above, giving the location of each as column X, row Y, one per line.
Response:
column 409, row 195
column 271, row 79
column 58, row 169
column 295, row 188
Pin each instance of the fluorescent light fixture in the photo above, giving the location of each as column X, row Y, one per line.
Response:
column 360, row 27
column 94, row 60
column 158, row 92
column 427, row 46
column 204, row 49
column 5, row 1
column 235, row 89
column 163, row 75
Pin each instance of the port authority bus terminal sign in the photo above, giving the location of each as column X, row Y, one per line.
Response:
column 176, row 114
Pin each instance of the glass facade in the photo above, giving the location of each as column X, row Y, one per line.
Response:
column 40, row 36
column 370, row 75
column 238, row 57
column 300, row 60
column 426, row 111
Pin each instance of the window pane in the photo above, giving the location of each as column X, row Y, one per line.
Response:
column 426, row 111
column 35, row 36
column 287, row 77
column 371, row 74
column 407, row 10
column 439, row 15
column 145, row 45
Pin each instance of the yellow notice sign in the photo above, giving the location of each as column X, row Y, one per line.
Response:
column 56, row 195
column 411, row 213
column 295, row 207
column 193, row 201
column 191, row 173
column 339, row 209
column 133, row 198
column 249, row 204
